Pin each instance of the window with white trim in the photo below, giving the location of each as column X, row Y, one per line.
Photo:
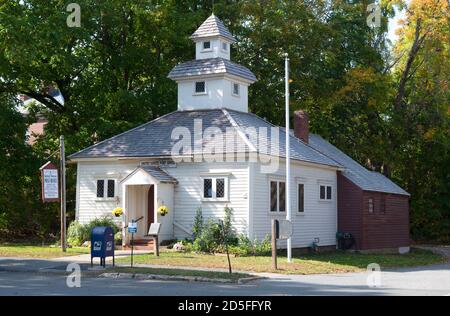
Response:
column 301, row 198
column 236, row 89
column 215, row 188
column 106, row 189
column 207, row 45
column 200, row 87
column 277, row 196
column 326, row 193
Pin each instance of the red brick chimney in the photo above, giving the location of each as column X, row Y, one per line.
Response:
column 301, row 125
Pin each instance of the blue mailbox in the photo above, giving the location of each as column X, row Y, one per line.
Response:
column 102, row 244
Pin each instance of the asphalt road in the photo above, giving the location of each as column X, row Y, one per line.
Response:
column 434, row 280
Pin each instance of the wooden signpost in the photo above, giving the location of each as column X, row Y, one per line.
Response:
column 54, row 187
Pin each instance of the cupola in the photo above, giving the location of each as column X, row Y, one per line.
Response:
column 212, row 80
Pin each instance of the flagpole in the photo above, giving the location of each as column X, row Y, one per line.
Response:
column 288, row 160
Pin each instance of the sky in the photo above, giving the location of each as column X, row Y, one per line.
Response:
column 393, row 24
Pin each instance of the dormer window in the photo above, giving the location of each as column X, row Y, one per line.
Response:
column 207, row 45
column 200, row 87
column 236, row 89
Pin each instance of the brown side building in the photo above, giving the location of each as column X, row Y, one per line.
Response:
column 371, row 207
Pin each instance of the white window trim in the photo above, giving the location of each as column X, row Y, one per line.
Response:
column 200, row 93
column 298, row 200
column 207, row 50
column 105, row 197
column 278, row 181
column 239, row 89
column 226, row 197
column 326, row 193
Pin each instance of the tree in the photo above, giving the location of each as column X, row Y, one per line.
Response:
column 420, row 116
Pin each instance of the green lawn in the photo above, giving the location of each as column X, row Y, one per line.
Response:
column 34, row 251
column 182, row 272
column 324, row 263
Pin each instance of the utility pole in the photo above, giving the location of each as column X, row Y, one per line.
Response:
column 288, row 160
column 63, row 193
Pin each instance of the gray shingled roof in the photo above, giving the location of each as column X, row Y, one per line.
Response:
column 159, row 174
column 299, row 150
column 154, row 139
column 362, row 177
column 210, row 66
column 213, row 26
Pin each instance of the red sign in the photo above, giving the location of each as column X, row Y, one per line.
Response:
column 50, row 183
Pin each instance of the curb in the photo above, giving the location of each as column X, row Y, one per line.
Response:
column 139, row 276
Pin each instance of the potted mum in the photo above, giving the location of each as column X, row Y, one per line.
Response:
column 163, row 210
column 117, row 212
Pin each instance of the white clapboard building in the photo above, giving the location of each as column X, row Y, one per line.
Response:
column 212, row 153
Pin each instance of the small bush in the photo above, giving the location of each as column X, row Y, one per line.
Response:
column 209, row 239
column 118, row 238
column 104, row 221
column 198, row 224
column 78, row 234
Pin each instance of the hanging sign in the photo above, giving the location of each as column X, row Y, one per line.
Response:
column 50, row 183
column 284, row 229
column 132, row 227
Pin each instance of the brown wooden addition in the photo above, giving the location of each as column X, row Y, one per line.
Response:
column 386, row 229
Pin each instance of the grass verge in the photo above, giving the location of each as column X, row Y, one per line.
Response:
column 41, row 252
column 181, row 272
column 322, row 263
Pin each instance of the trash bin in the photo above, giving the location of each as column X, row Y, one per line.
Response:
column 102, row 244
column 345, row 240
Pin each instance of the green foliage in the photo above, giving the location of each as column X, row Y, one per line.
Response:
column 198, row 224
column 210, row 238
column 77, row 233
column 214, row 237
column 246, row 247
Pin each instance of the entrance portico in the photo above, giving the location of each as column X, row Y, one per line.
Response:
column 144, row 191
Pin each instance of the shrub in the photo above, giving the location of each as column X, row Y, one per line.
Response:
column 209, row 238
column 104, row 221
column 229, row 232
column 77, row 234
column 118, row 238
column 198, row 224
column 246, row 247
